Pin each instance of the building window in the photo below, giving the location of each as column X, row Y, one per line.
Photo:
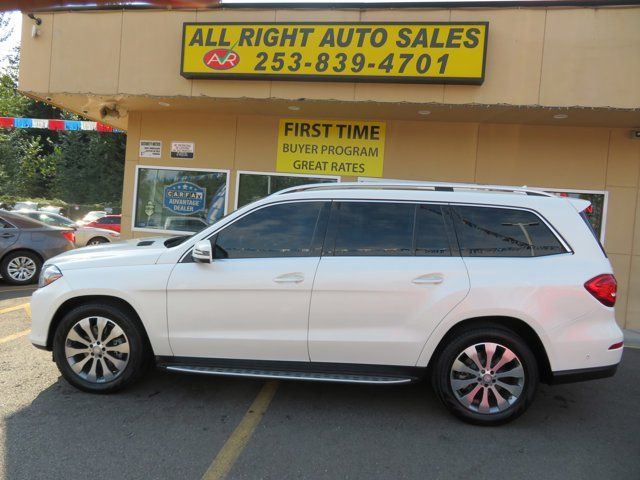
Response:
column 596, row 213
column 180, row 200
column 253, row 186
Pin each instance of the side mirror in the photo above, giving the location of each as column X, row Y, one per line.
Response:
column 202, row 252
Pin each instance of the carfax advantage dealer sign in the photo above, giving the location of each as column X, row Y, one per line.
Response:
column 366, row 52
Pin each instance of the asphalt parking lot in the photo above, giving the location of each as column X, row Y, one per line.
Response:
column 174, row 426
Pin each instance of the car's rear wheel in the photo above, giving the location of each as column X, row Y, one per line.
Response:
column 486, row 376
column 21, row 267
column 97, row 241
column 100, row 348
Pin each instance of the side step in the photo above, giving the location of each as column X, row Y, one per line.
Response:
column 290, row 375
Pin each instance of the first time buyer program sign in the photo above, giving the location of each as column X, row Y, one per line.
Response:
column 445, row 52
column 331, row 147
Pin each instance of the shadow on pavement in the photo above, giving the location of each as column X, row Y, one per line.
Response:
column 171, row 426
column 168, row 426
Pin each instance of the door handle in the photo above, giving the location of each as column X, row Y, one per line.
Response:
column 289, row 278
column 7, row 235
column 429, row 279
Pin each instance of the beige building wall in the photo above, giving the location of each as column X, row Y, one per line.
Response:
column 564, row 65
column 538, row 58
column 541, row 156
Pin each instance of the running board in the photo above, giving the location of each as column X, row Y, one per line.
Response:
column 291, row 375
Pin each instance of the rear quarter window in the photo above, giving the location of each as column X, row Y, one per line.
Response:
column 503, row 232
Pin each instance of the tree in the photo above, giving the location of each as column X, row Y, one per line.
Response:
column 78, row 167
column 90, row 167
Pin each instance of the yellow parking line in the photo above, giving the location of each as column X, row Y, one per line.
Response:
column 224, row 461
column 14, row 336
column 24, row 306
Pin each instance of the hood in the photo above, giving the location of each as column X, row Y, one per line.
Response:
column 138, row 251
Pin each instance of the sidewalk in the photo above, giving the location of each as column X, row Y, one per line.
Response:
column 632, row 338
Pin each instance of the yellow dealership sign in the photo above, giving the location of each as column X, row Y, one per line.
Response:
column 366, row 52
column 331, row 147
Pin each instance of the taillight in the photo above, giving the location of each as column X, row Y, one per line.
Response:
column 604, row 288
column 69, row 235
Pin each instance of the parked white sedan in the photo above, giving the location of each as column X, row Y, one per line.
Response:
column 85, row 236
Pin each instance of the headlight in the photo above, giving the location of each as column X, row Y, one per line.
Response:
column 49, row 274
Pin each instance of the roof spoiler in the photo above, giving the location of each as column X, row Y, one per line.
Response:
column 579, row 204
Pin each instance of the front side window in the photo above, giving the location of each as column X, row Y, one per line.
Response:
column 163, row 193
column 374, row 229
column 282, row 230
column 503, row 232
column 254, row 186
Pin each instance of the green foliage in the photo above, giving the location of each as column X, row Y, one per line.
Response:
column 90, row 167
column 76, row 167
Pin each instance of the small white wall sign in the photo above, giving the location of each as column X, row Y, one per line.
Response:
column 150, row 148
column 182, row 149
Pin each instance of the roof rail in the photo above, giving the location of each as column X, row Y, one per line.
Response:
column 432, row 186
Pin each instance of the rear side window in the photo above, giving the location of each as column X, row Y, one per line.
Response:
column 503, row 232
column 283, row 230
column 431, row 234
column 374, row 229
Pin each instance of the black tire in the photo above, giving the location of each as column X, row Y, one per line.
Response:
column 4, row 267
column 97, row 241
column 138, row 358
column 442, row 375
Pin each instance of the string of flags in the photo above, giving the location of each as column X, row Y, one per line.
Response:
column 61, row 125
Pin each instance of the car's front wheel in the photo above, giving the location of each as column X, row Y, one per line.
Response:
column 486, row 376
column 100, row 348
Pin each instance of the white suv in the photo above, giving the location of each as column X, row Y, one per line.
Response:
column 485, row 290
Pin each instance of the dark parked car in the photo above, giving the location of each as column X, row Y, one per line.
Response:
column 25, row 244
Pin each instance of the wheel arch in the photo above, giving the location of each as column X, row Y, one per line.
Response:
column 74, row 302
column 513, row 324
column 22, row 249
column 101, row 237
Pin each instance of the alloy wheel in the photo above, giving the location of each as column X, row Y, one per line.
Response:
column 97, row 349
column 487, row 378
column 21, row 268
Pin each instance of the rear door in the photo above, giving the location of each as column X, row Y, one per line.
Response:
column 389, row 274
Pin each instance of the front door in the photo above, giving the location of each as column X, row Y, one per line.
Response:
column 388, row 277
column 252, row 301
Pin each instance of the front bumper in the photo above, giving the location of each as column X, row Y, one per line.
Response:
column 44, row 303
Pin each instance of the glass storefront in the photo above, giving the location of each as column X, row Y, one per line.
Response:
column 179, row 200
column 253, row 186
